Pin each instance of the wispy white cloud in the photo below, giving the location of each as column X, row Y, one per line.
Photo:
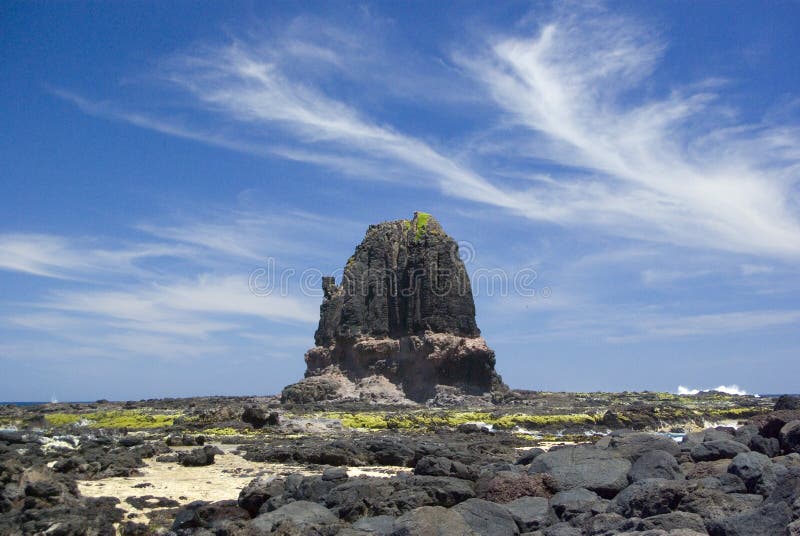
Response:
column 658, row 277
column 756, row 269
column 66, row 258
column 103, row 300
column 675, row 168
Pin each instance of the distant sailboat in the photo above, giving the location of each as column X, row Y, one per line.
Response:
column 53, row 399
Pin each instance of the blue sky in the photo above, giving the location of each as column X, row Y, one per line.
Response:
column 641, row 159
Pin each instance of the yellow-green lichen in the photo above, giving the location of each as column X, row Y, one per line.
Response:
column 228, row 431
column 62, row 419
column 431, row 420
column 735, row 413
column 113, row 419
column 422, row 222
column 510, row 421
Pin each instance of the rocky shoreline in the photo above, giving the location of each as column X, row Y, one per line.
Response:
column 549, row 464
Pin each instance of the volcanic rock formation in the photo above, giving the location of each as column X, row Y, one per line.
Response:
column 401, row 325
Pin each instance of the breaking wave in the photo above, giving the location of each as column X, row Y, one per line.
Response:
column 728, row 389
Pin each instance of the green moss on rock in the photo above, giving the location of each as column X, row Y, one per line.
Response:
column 421, row 219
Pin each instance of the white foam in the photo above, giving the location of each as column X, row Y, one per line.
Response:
column 728, row 389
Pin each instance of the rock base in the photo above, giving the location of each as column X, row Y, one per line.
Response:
column 402, row 370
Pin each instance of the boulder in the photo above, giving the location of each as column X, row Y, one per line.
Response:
column 705, row 469
column 748, row 435
column 603, row 471
column 673, row 521
column 711, row 503
column 578, row 503
column 529, row 455
column 787, row 490
column 634, row 445
column 756, row 471
column 304, row 517
column 655, row 464
column 609, row 524
column 432, row 521
column 530, row 513
column 441, row 466
column 362, row 497
column 770, row 424
column 130, row 441
column 787, row 402
column 334, row 474
column 790, row 437
column 259, row 418
column 768, row 520
column 649, row 498
column 381, row 525
column 726, row 483
column 717, row 449
column 198, row 457
column 487, row 518
column 184, row 440
column 259, row 491
column 205, row 515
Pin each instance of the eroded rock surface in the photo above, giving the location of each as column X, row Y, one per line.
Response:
column 403, row 312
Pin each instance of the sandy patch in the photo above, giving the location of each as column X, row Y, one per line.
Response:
column 221, row 481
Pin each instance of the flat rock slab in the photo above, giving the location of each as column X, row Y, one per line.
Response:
column 603, row 471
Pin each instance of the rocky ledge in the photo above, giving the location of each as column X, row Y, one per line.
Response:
column 452, row 477
column 401, row 325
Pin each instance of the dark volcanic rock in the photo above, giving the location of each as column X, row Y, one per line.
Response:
column 363, row 497
column 300, row 517
column 673, row 521
column 577, row 503
column 259, row 418
column 632, row 446
column 403, row 311
column 150, row 502
column 530, row 513
column 768, row 520
column 259, row 491
column 756, row 471
column 601, row 471
column 770, row 424
column 487, row 518
column 649, row 498
column 655, row 464
column 790, row 436
column 715, row 504
column 432, row 521
column 717, row 450
column 440, row 466
column 198, row 457
column 787, row 402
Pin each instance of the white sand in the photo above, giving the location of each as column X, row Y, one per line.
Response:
column 221, row 481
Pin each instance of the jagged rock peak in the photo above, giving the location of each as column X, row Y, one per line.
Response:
column 403, row 316
column 405, row 278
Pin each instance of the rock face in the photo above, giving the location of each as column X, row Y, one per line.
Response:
column 404, row 312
